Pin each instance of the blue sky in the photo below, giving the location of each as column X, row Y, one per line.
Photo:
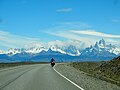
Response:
column 45, row 20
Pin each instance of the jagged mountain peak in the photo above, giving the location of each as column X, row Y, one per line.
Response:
column 96, row 45
column 101, row 49
column 100, row 45
column 102, row 42
column 50, row 50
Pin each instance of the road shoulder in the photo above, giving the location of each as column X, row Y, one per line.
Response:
column 83, row 80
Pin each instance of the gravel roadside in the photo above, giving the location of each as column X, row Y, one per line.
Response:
column 83, row 80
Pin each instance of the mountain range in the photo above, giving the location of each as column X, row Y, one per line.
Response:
column 99, row 51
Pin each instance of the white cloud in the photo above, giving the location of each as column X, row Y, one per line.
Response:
column 64, row 10
column 8, row 40
column 113, row 41
column 95, row 33
column 72, row 36
column 62, row 44
column 70, row 31
column 87, row 37
column 63, row 26
column 81, row 32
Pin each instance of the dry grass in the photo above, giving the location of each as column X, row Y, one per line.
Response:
column 108, row 71
column 5, row 65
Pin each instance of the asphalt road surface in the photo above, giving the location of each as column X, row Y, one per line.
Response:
column 33, row 77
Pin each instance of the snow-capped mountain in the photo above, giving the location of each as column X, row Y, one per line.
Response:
column 56, row 49
column 69, row 49
column 72, row 50
column 2, row 52
column 100, row 50
column 12, row 51
column 113, row 49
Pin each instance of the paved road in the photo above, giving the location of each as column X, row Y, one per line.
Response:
column 33, row 77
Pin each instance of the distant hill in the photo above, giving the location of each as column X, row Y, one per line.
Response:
column 111, row 69
column 105, row 70
column 112, row 66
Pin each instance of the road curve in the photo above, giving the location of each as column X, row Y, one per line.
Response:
column 34, row 77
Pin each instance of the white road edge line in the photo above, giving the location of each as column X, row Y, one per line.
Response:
column 68, row 79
